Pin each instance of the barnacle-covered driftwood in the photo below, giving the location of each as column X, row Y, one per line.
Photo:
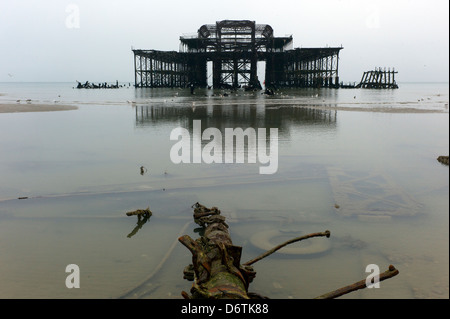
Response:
column 216, row 269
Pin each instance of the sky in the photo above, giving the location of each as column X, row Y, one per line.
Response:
column 65, row 41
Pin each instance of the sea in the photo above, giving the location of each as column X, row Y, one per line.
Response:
column 361, row 163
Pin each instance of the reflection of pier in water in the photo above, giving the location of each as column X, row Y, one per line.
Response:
column 233, row 115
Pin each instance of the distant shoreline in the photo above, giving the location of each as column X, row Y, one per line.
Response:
column 29, row 107
column 73, row 84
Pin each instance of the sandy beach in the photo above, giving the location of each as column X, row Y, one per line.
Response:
column 30, row 107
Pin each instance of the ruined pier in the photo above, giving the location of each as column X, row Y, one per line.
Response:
column 230, row 50
column 379, row 79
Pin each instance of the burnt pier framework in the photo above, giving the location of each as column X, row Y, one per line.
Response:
column 233, row 49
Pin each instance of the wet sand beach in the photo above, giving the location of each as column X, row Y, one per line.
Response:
column 30, row 107
column 364, row 168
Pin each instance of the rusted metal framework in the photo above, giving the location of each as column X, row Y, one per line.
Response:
column 234, row 47
column 163, row 69
column 306, row 67
column 379, row 79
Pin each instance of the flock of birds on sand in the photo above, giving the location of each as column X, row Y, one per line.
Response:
column 133, row 103
column 28, row 101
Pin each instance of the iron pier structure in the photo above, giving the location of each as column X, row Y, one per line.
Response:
column 229, row 51
column 379, row 79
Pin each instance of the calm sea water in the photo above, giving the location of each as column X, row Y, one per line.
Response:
column 361, row 163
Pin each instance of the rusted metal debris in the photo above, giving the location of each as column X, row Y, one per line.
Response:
column 216, row 269
column 379, row 79
column 104, row 85
column 443, row 160
column 143, row 170
column 271, row 251
column 391, row 272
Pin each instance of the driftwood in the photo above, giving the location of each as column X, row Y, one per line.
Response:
column 146, row 213
column 143, row 216
column 216, row 269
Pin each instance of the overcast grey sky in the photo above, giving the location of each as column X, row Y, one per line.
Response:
column 59, row 40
